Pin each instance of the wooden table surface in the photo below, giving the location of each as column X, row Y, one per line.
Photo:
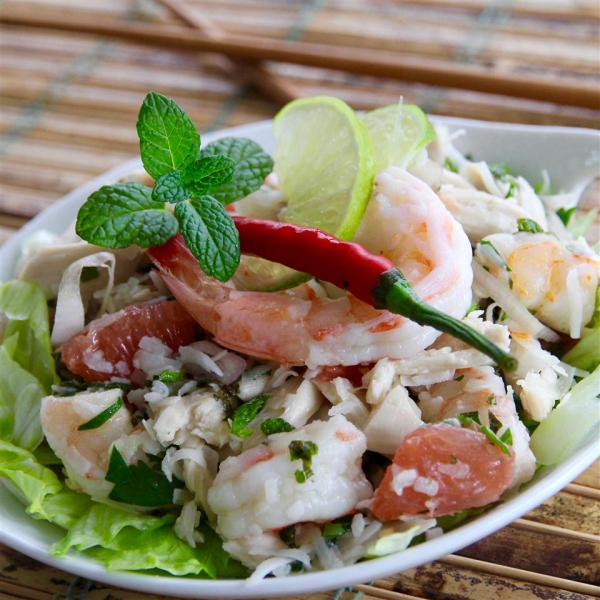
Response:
column 69, row 102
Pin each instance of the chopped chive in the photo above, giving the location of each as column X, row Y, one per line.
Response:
column 102, row 417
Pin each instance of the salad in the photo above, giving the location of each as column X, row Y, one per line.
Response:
column 176, row 399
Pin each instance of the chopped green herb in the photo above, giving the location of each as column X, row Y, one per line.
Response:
column 141, row 484
column 474, row 306
column 523, row 416
column 507, row 437
column 101, row 417
column 467, row 419
column 303, row 451
column 492, row 400
column 89, row 274
column 495, row 422
column 245, row 413
column 169, row 376
column 529, row 225
column 450, row 166
column 337, row 527
column 491, row 253
column 495, row 439
column 511, row 189
column 271, row 426
column 453, row 459
column 500, row 170
column 459, row 378
column 565, row 214
column 301, row 476
column 288, row 536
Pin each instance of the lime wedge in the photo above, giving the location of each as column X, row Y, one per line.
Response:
column 324, row 161
column 398, row 132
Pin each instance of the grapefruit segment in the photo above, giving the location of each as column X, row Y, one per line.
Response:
column 441, row 469
column 105, row 348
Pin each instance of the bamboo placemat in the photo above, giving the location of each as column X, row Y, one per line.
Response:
column 69, row 103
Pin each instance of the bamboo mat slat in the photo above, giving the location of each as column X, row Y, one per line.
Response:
column 68, row 107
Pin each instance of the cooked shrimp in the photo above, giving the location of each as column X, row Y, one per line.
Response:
column 85, row 454
column 406, row 222
column 260, row 491
column 555, row 279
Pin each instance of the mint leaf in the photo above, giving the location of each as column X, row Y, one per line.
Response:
column 253, row 165
column 245, row 413
column 117, row 216
column 210, row 235
column 170, row 187
column 168, row 137
column 208, row 172
column 140, row 484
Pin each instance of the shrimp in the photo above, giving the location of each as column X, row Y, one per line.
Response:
column 406, row 222
column 260, row 490
column 553, row 278
column 85, row 454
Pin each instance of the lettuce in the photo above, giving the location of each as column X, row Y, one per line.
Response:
column 573, row 423
column 64, row 508
column 26, row 362
column 32, row 481
column 101, row 524
column 161, row 549
column 20, row 397
column 129, row 541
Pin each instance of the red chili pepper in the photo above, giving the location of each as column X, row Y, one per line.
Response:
column 372, row 279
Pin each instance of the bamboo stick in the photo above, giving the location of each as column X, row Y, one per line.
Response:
column 365, row 62
column 554, row 530
column 577, row 587
column 264, row 80
column 582, row 490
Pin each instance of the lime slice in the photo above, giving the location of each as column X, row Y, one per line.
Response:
column 324, row 161
column 398, row 132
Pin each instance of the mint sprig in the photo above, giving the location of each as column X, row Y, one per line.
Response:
column 197, row 183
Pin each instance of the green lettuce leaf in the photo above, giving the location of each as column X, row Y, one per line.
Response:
column 20, row 397
column 64, row 508
column 32, row 481
column 130, row 541
column 102, row 523
column 134, row 549
column 26, row 334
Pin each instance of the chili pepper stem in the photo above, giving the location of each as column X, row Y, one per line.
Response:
column 394, row 293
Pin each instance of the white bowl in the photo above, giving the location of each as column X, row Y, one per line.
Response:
column 571, row 157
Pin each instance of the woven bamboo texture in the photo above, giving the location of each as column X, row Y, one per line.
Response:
column 73, row 76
